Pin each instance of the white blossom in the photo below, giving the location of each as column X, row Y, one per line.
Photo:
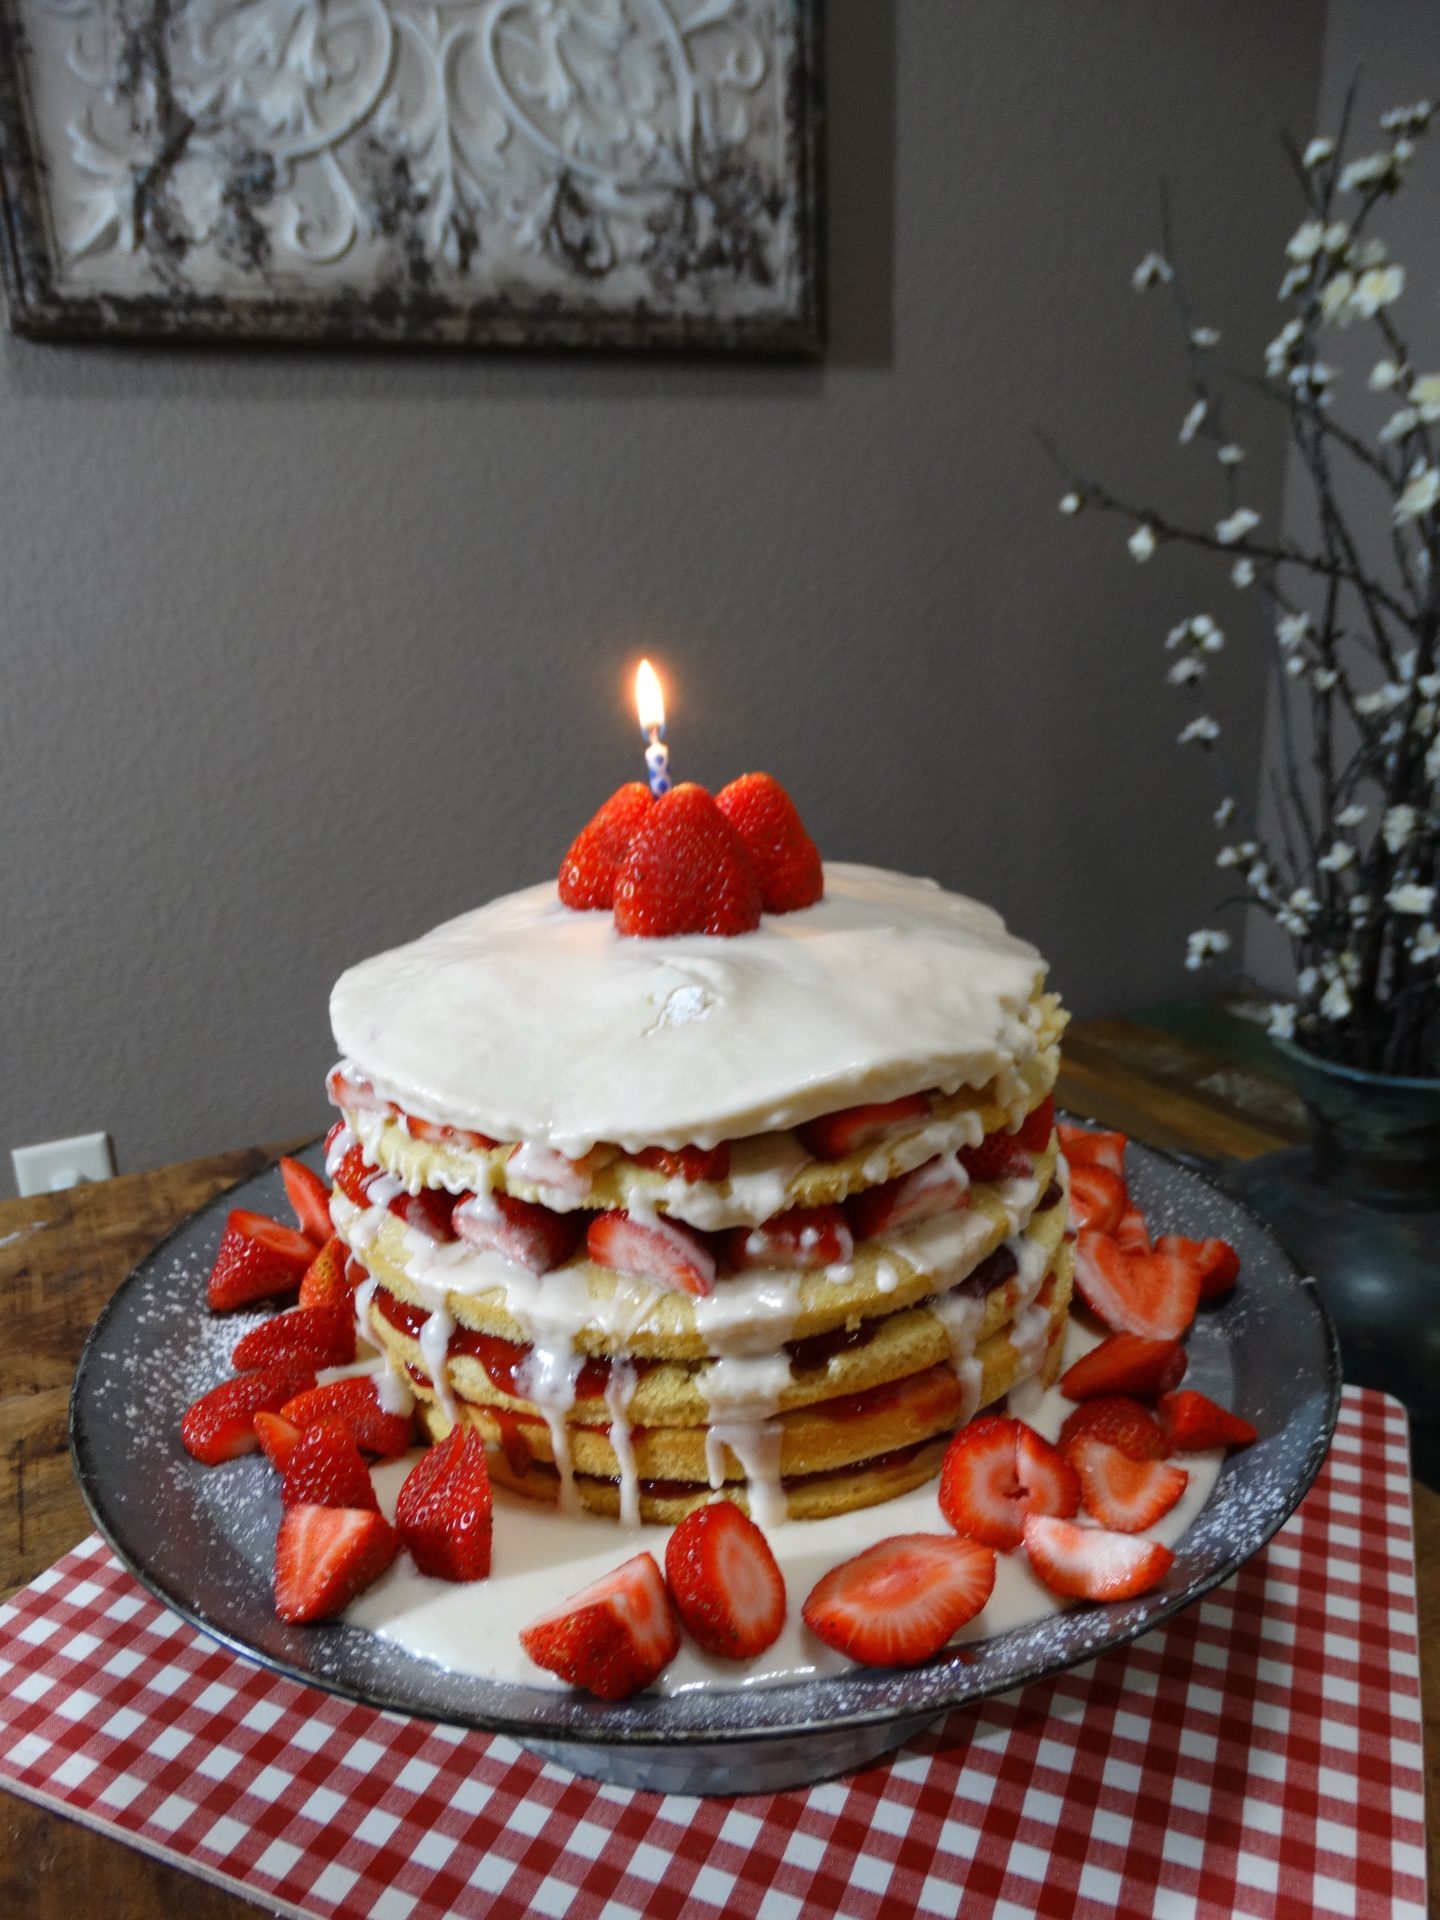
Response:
column 1204, row 337
column 1243, row 573
column 1296, row 665
column 1426, row 944
column 1203, row 946
column 1280, row 1019
column 1153, row 271
column 1225, row 812
column 1237, row 526
column 1408, row 119
column 1292, row 630
column 1306, row 241
column 1404, row 420
column 1376, row 289
column 1071, row 503
column 1335, row 299
column 1375, row 169
column 1281, row 349
column 1350, row 816
column 1340, row 856
column 1422, row 490
column 1383, row 700
column 1336, row 236
column 1318, row 152
column 1374, row 253
column 1383, row 375
column 1411, row 898
column 1141, row 544
column 1295, row 278
column 1188, row 668
column 1306, row 982
column 1230, row 455
column 1359, row 906
column 1425, row 396
column 1312, row 379
column 1335, row 1002
column 1397, row 827
column 1191, row 424
column 1203, row 729
column 1324, row 678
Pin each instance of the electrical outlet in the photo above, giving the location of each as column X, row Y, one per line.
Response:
column 52, row 1164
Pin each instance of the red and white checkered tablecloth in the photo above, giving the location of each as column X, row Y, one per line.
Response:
column 1259, row 1755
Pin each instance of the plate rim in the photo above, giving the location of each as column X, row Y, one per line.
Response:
column 616, row 1725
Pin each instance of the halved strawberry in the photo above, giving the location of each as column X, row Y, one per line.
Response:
column 831, row 1136
column 686, row 871
column 1192, row 1423
column 1123, row 1494
column 1088, row 1563
column 326, row 1470
column 353, row 1175
column 442, row 1136
column 902, row 1599
column 1133, row 1233
column 614, row 1637
column 221, row 1423
column 1119, row 1422
column 428, row 1211
column 357, row 1403
column 324, row 1336
column 538, row 1166
column 347, row 1087
column 256, row 1259
column 327, row 1282
column 722, row 1576
column 443, row 1511
column 1048, row 1482
column 995, row 1471
column 1125, row 1363
column 1036, row 1128
column 1089, row 1146
column 1217, row 1261
column 938, row 1187
column 325, row 1556
column 278, row 1438
column 310, row 1198
column 667, row 1252
column 786, row 859
column 591, row 866
column 1097, row 1197
column 999, row 1156
column 687, row 1163
column 800, row 1241
column 1153, row 1294
column 533, row 1236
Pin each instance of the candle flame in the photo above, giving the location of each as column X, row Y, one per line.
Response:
column 649, row 700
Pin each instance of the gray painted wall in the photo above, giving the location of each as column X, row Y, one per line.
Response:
column 302, row 655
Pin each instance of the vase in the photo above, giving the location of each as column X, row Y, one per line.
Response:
column 1359, row 1207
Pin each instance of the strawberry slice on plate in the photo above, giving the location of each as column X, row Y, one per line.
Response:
column 327, row 1281
column 997, row 1470
column 309, row 1199
column 940, row 1186
column 800, row 1241
column 325, row 1556
column 1119, row 1422
column 1125, row 1363
column 325, row 1470
column 1125, row 1495
column 1152, row 1294
column 592, row 865
column 221, row 1423
column 786, row 860
column 1090, row 1146
column 727, row 1588
column 901, row 1600
column 1133, row 1233
column 534, row 1237
column 665, row 1251
column 324, row 1336
column 278, row 1438
column 356, row 1403
column 1097, row 1197
column 1192, row 1423
column 614, row 1637
column 831, row 1136
column 1090, row 1563
column 443, row 1512
column 256, row 1258
column 1217, row 1261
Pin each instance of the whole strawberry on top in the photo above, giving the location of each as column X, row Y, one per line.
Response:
column 786, row 859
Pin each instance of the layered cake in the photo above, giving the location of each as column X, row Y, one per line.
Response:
column 771, row 1210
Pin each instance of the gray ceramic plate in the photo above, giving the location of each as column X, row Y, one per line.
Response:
column 201, row 1539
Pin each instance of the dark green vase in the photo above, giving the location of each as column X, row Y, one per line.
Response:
column 1359, row 1207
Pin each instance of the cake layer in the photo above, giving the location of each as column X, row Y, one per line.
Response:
column 526, row 1021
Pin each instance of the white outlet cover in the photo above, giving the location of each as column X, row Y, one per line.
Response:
column 51, row 1165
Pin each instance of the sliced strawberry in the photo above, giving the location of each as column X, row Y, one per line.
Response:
column 980, row 1491
column 1133, row 1234
column 1119, row 1422
column 441, row 1136
column 326, row 1470
column 353, row 1175
column 831, row 1136
column 902, row 1599
column 533, row 1236
column 1125, row 1363
column 722, row 1576
column 786, row 859
column 591, row 867
column 221, row 1424
column 800, row 1241
column 1153, row 1294
column 667, row 1252
column 1087, row 1563
column 1097, row 1197
column 428, row 1211
column 613, row 1638
column 1123, row 1494
column 357, row 1403
column 331, row 1137
column 999, row 1156
column 327, row 1282
column 686, row 871
column 1193, row 1423
column 278, row 1438
column 309, row 1197
column 1048, row 1481
column 348, row 1088
column 257, row 1258
column 324, row 1336
column 325, row 1556
column 938, row 1187
column 1217, row 1261
column 1088, row 1146
column 1036, row 1128
column 687, row 1163
column 443, row 1512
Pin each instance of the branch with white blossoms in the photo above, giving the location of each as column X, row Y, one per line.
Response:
column 1353, row 633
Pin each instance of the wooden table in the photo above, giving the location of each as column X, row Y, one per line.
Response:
column 1165, row 1080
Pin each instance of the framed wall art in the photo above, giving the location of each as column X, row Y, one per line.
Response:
column 465, row 173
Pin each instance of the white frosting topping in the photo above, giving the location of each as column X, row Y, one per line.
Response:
column 527, row 1021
